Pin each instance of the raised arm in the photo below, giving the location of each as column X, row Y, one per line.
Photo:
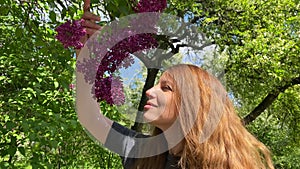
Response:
column 88, row 110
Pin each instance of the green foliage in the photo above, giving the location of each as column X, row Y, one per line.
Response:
column 117, row 8
column 259, row 41
column 279, row 129
column 38, row 122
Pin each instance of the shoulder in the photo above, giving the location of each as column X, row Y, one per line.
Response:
column 122, row 140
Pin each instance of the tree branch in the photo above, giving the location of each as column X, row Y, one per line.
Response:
column 61, row 4
column 268, row 100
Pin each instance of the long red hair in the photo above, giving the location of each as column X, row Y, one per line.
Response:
column 214, row 134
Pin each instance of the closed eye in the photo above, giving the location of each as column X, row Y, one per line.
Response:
column 166, row 88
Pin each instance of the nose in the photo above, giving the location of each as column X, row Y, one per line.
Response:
column 150, row 94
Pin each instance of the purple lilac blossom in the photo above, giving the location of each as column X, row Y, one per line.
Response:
column 150, row 6
column 69, row 34
column 71, row 86
column 113, row 60
column 111, row 90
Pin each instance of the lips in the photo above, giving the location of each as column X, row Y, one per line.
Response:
column 149, row 105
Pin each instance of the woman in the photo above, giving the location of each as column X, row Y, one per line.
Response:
column 196, row 125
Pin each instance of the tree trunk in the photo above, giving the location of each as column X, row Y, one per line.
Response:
column 151, row 75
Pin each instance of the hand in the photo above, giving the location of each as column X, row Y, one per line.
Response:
column 90, row 25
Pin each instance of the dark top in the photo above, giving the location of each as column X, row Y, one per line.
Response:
column 126, row 143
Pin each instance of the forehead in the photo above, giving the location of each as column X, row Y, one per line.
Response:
column 166, row 78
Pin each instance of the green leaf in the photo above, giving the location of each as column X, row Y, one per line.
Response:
column 39, row 79
column 2, row 78
column 12, row 150
column 19, row 32
column 10, row 125
column 56, row 84
column 52, row 16
column 22, row 150
column 94, row 1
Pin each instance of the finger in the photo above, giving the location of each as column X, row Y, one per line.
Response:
column 91, row 31
column 83, row 39
column 86, row 6
column 90, row 16
column 90, row 24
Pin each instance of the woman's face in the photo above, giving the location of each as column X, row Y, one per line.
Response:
column 160, row 109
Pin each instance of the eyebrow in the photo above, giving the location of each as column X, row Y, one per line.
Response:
column 165, row 81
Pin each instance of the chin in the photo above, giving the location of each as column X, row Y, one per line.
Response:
column 149, row 118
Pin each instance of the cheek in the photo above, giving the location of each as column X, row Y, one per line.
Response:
column 171, row 110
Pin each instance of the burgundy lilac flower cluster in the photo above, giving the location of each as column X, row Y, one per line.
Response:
column 69, row 34
column 111, row 90
column 150, row 6
column 108, row 87
column 121, row 52
column 119, row 56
